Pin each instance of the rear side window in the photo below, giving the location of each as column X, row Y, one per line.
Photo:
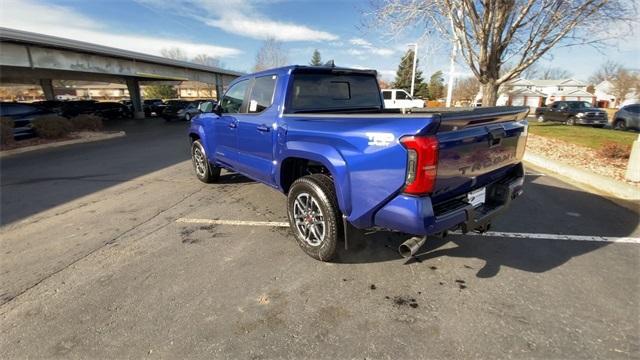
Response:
column 262, row 93
column 634, row 108
column 317, row 92
column 386, row 95
column 232, row 99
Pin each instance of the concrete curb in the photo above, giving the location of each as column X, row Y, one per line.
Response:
column 587, row 180
column 98, row 137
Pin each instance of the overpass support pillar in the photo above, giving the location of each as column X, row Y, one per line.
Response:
column 133, row 86
column 218, row 87
column 47, row 89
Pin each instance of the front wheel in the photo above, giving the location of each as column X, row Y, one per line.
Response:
column 540, row 118
column 620, row 125
column 205, row 172
column 571, row 121
column 312, row 207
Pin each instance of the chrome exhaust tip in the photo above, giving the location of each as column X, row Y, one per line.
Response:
column 410, row 247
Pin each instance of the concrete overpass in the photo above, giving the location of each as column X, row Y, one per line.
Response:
column 30, row 58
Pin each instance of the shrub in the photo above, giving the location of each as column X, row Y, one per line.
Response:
column 52, row 126
column 612, row 150
column 6, row 130
column 87, row 122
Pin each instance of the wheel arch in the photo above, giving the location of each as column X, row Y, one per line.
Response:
column 297, row 159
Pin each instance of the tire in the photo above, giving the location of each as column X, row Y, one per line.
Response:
column 540, row 118
column 571, row 121
column 620, row 125
column 314, row 216
column 187, row 117
column 205, row 172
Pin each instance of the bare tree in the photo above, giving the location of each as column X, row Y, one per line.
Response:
column 204, row 59
column 607, row 71
column 174, row 53
column 466, row 89
column 270, row 55
column 623, row 83
column 492, row 33
column 548, row 73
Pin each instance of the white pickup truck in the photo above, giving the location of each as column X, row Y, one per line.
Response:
column 400, row 99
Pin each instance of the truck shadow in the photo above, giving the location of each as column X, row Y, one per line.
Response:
column 547, row 207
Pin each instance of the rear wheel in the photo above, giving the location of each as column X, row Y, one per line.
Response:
column 620, row 125
column 205, row 172
column 540, row 118
column 314, row 215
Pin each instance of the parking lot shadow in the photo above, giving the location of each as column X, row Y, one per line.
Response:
column 547, row 207
column 36, row 181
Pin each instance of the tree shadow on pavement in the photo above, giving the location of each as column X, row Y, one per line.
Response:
column 547, row 207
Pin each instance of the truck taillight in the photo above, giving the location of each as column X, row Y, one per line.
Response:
column 422, row 161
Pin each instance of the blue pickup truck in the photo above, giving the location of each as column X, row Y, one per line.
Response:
column 322, row 136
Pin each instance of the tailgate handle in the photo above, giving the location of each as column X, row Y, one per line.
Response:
column 495, row 136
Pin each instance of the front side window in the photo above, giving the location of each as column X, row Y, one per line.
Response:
column 262, row 93
column 401, row 95
column 232, row 100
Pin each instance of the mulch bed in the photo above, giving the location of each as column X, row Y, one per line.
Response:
column 579, row 156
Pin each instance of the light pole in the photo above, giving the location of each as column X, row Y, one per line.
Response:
column 452, row 69
column 415, row 60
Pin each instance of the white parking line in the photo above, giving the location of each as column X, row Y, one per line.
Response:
column 233, row 222
column 611, row 239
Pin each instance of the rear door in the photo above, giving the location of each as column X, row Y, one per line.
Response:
column 256, row 130
column 226, row 137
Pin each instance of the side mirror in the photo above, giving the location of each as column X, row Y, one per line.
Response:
column 206, row 107
column 217, row 109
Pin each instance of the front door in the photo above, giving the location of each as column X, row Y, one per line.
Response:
column 256, row 131
column 226, row 126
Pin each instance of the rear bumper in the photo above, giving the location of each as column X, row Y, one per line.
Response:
column 418, row 216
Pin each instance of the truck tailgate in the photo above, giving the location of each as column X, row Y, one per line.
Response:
column 477, row 148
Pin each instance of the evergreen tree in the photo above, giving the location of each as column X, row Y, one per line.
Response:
column 160, row 92
column 403, row 76
column 316, row 59
column 436, row 86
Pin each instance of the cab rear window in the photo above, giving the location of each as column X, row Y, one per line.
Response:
column 318, row 92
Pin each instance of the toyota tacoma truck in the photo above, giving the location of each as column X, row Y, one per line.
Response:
column 322, row 136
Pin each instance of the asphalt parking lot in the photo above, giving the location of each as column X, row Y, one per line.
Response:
column 96, row 264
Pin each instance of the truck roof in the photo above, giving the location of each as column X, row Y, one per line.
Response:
column 292, row 68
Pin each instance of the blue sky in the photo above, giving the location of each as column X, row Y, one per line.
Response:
column 234, row 29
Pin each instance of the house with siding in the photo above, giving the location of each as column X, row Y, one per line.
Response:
column 535, row 93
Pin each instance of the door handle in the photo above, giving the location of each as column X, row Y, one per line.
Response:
column 263, row 128
column 233, row 125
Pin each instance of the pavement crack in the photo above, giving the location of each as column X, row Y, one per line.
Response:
column 105, row 244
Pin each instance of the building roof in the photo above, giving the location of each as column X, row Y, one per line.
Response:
column 542, row 83
column 526, row 92
column 20, row 36
column 574, row 92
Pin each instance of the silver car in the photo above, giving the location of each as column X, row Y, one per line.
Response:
column 628, row 117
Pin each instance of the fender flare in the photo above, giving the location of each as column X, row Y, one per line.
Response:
column 330, row 158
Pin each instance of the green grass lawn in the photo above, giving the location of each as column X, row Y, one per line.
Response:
column 581, row 135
